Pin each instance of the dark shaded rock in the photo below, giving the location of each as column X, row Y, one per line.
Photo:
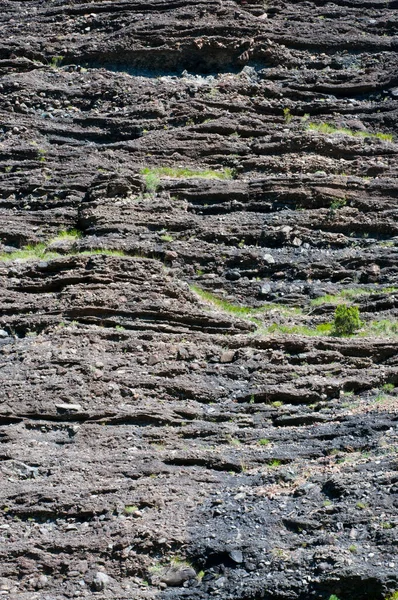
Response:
column 176, row 576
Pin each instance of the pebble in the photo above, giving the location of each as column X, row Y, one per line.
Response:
column 232, row 275
column 3, row 333
column 42, row 582
column 68, row 407
column 101, row 581
column 228, row 356
column 268, row 258
column 175, row 576
column 236, row 556
column 265, row 289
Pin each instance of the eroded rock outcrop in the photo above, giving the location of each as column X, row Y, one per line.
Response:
column 187, row 190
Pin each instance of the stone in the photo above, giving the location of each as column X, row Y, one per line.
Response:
column 68, row 407
column 236, row 556
column 265, row 289
column 5, row 584
column 42, row 582
column 269, row 259
column 176, row 576
column 228, row 356
column 232, row 275
column 100, row 581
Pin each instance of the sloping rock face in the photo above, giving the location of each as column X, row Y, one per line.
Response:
column 187, row 191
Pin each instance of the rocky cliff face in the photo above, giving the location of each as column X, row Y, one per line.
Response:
column 188, row 189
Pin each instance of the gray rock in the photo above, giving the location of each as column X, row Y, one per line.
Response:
column 3, row 333
column 220, row 582
column 227, row 356
column 236, row 556
column 176, row 576
column 268, row 258
column 68, row 407
column 5, row 584
column 232, row 275
column 101, row 581
column 41, row 582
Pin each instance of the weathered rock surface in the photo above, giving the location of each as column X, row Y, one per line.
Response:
column 157, row 440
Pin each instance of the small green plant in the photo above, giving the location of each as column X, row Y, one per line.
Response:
column 167, row 238
column 353, row 549
column 327, row 503
column 42, row 154
column 336, row 204
column 152, row 181
column 234, row 441
column 264, row 442
column 277, row 404
column 56, row 61
column 361, row 505
column 393, row 596
column 287, row 115
column 346, row 320
column 386, row 525
column 177, row 561
column 70, row 234
column 333, row 597
column 280, row 553
column 388, row 387
column 200, row 576
column 381, row 398
column 275, row 463
column 129, row 509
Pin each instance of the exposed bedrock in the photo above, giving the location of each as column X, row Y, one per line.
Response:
column 187, row 192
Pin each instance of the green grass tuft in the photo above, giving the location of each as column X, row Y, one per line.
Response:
column 350, row 294
column 322, row 329
column 388, row 387
column 264, row 442
column 240, row 310
column 382, row 328
column 67, row 234
column 40, row 252
column 332, row 129
column 185, row 173
column 31, row 251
